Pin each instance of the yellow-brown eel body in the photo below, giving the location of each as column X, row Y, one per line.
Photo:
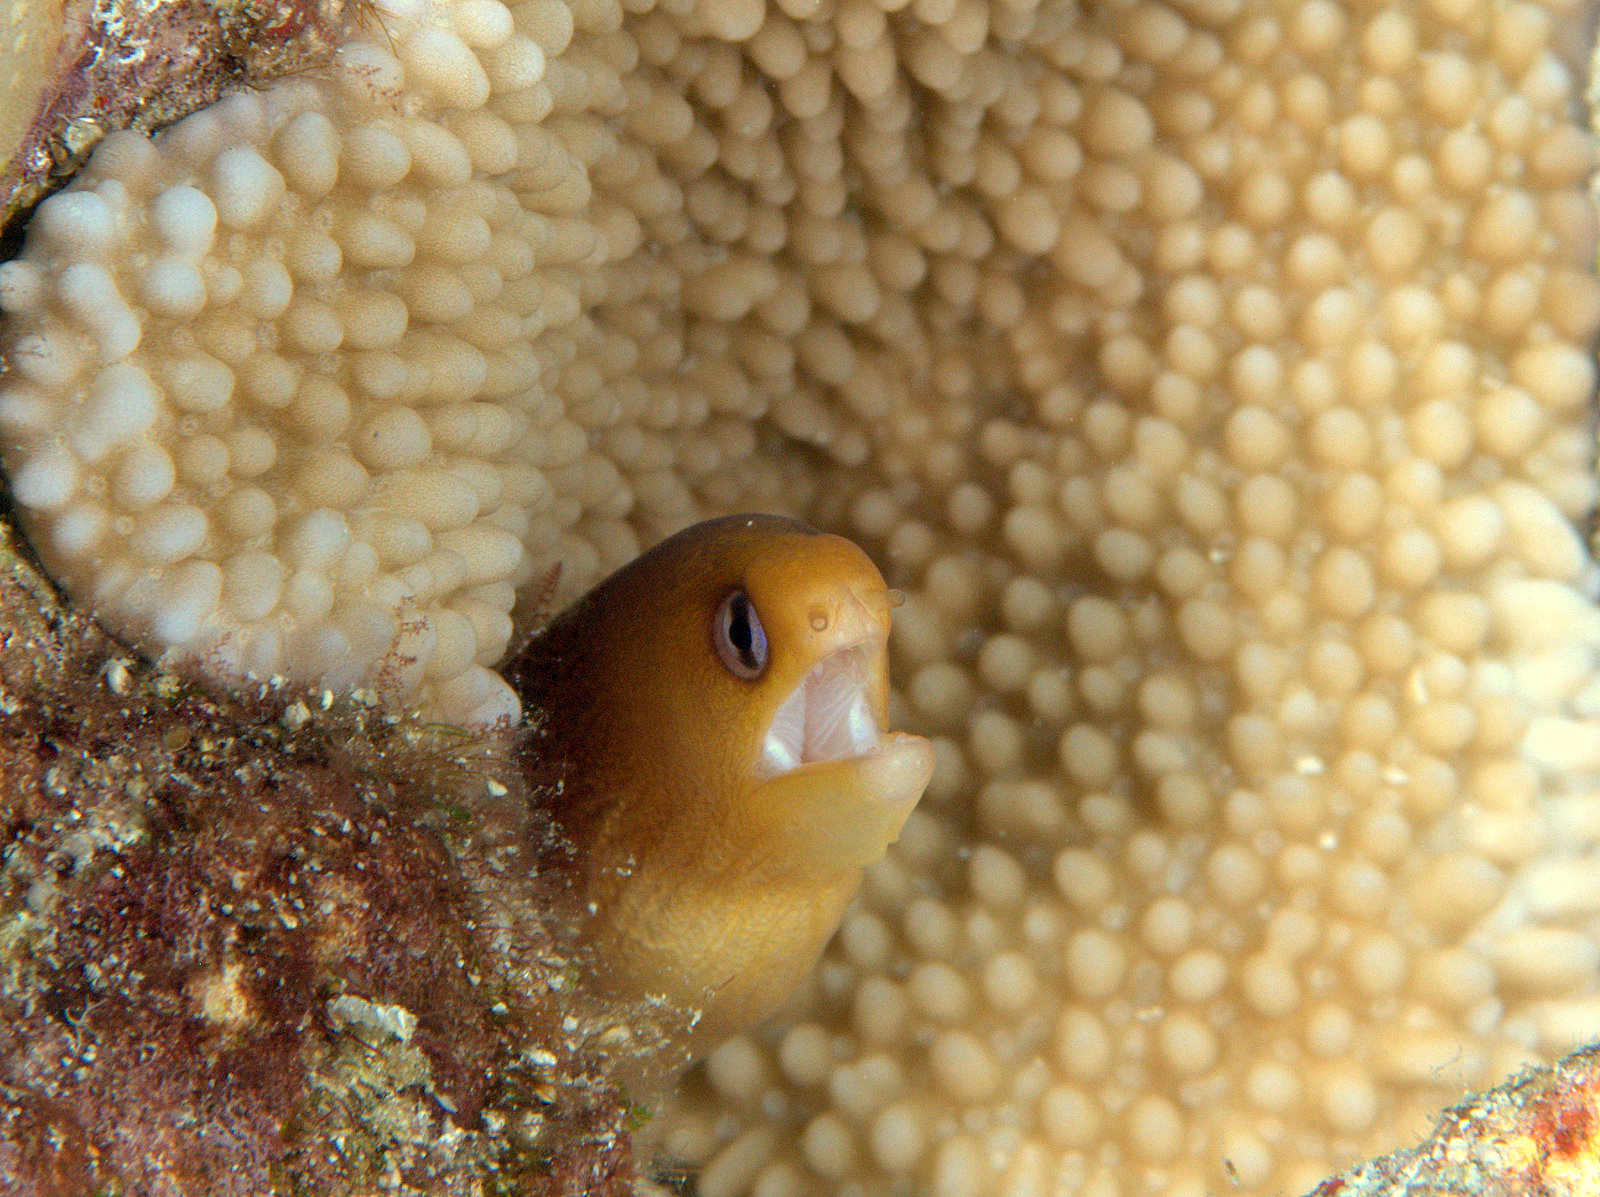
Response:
column 707, row 731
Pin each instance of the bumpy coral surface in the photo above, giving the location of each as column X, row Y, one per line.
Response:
column 248, row 372
column 1212, row 375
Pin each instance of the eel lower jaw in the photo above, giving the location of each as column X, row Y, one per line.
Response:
column 837, row 815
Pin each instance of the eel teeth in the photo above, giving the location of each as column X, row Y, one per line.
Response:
column 827, row 718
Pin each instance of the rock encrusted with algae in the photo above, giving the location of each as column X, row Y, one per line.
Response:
column 1536, row 1134
column 242, row 950
column 72, row 71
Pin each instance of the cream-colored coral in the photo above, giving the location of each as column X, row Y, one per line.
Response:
column 1230, row 454
column 1214, row 378
column 289, row 388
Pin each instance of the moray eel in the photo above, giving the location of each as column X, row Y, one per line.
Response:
column 707, row 731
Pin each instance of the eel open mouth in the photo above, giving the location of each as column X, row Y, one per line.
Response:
column 829, row 716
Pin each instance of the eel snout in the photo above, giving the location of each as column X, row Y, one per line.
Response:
column 836, row 712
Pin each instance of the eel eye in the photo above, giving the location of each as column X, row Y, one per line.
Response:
column 741, row 640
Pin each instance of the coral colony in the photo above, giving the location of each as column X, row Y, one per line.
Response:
column 1212, row 376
